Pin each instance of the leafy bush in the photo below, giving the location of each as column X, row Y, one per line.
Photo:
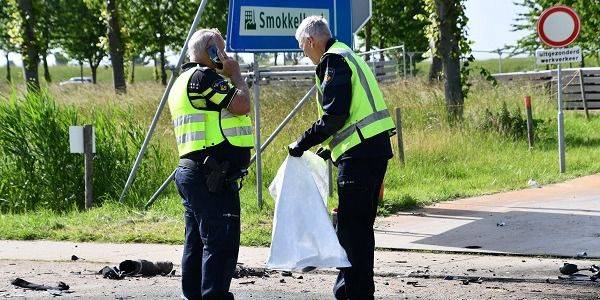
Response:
column 37, row 171
column 505, row 122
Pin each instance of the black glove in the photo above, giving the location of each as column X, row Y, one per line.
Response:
column 324, row 153
column 295, row 151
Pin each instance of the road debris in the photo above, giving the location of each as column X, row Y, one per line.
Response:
column 242, row 272
column 22, row 283
column 140, row 267
column 533, row 184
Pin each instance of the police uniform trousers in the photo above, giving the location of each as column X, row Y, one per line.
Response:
column 359, row 182
column 212, row 235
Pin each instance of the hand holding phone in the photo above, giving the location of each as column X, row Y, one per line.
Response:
column 213, row 53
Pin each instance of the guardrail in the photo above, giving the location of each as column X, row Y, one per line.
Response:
column 580, row 88
column 383, row 70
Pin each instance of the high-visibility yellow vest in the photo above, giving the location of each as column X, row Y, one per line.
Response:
column 198, row 129
column 368, row 112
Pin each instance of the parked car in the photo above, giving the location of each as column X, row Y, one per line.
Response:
column 77, row 80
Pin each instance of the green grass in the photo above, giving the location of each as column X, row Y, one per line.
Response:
column 443, row 162
column 509, row 64
column 62, row 72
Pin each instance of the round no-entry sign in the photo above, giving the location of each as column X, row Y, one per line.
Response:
column 558, row 26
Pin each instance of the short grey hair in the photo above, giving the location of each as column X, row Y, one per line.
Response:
column 199, row 42
column 313, row 26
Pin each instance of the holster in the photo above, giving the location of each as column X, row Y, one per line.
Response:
column 218, row 175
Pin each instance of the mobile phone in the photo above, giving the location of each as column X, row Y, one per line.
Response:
column 214, row 56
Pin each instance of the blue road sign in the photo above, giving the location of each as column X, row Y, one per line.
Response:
column 270, row 25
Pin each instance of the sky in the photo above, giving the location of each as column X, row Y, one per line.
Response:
column 488, row 27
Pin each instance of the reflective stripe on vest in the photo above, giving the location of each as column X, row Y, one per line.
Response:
column 346, row 133
column 368, row 111
column 197, row 129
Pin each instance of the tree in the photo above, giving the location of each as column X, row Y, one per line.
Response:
column 115, row 45
column 22, row 33
column 81, row 40
column 447, row 31
column 5, row 40
column 46, row 26
column 393, row 23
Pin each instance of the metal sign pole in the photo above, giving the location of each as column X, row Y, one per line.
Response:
column 287, row 119
column 268, row 141
column 256, row 87
column 163, row 101
column 561, row 125
column 404, row 59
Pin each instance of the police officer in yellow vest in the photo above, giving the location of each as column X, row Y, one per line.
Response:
column 354, row 128
column 214, row 137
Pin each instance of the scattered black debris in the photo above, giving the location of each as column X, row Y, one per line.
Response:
column 477, row 280
column 536, row 291
column 140, row 267
column 473, row 247
column 413, row 283
column 242, row 272
column 74, row 257
column 282, row 280
column 248, row 282
column 501, row 224
column 572, row 271
column 145, row 268
column 111, row 273
column 300, row 277
column 286, row 274
column 386, row 283
column 471, row 270
column 308, row 269
column 60, row 286
column 568, row 269
column 401, row 261
column 449, row 277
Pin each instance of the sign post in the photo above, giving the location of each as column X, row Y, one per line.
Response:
column 558, row 27
column 257, row 26
column 83, row 140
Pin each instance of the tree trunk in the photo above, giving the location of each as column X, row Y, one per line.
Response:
column 116, row 46
column 155, row 67
column 448, row 12
column 8, row 77
column 163, row 71
column 81, row 70
column 132, row 75
column 46, row 70
column 381, row 46
column 94, row 69
column 435, row 69
column 29, row 48
column 368, row 39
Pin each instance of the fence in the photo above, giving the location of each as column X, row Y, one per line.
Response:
column 580, row 87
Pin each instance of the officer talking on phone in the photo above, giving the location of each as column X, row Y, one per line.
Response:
column 209, row 103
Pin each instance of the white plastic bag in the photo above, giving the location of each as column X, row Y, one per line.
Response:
column 302, row 232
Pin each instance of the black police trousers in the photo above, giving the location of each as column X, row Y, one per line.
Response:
column 359, row 182
column 212, row 236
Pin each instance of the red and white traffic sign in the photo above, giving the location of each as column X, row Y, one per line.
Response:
column 558, row 26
